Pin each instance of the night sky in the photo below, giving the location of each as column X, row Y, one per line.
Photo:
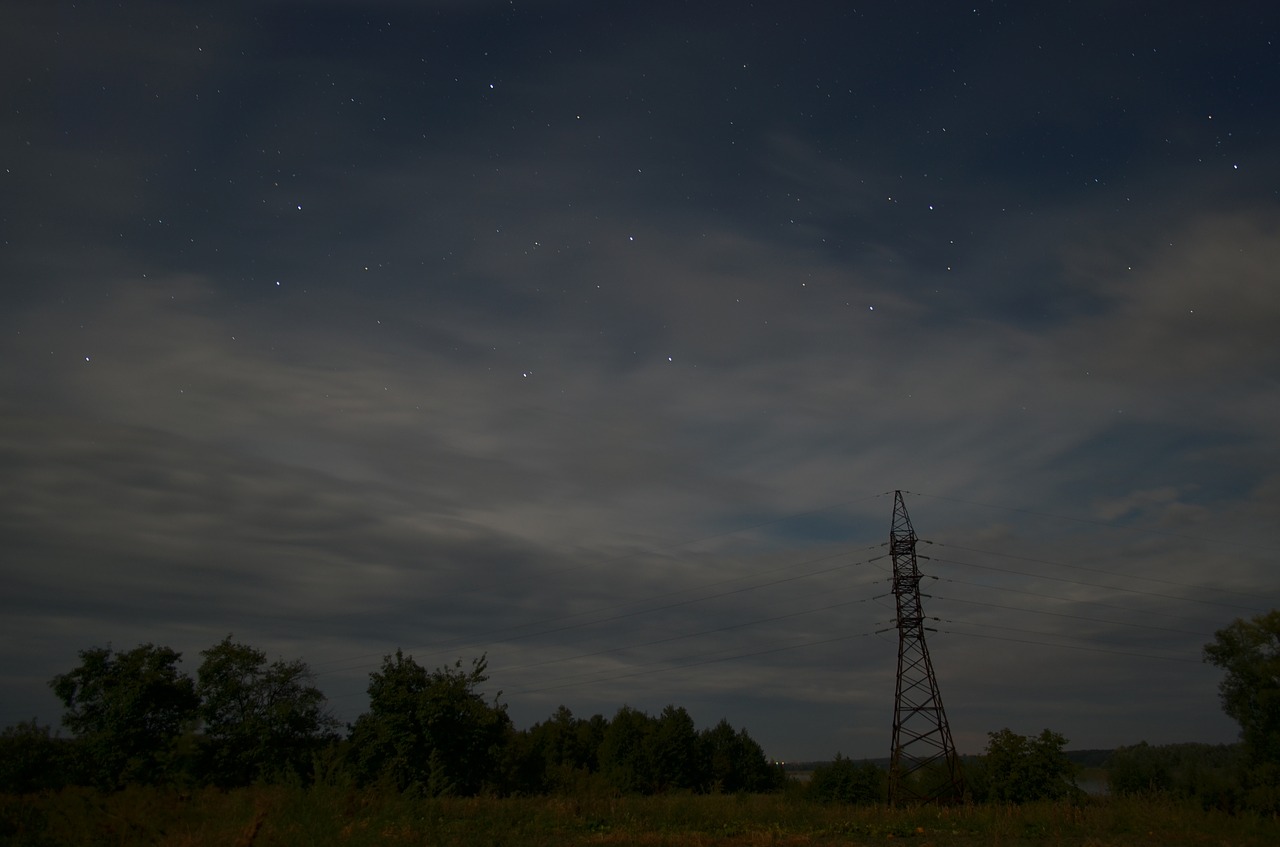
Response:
column 597, row 337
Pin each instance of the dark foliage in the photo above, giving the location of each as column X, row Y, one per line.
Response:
column 626, row 752
column 846, row 781
column 1020, row 769
column 736, row 763
column 128, row 711
column 1249, row 653
column 560, row 754
column 261, row 721
column 33, row 760
column 138, row 719
column 429, row 732
column 1210, row 774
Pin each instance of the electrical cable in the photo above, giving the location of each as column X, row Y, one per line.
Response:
column 1068, row 646
column 1074, row 617
column 1195, row 586
column 1095, row 522
column 489, row 639
column 1096, row 585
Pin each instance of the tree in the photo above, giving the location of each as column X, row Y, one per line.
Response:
column 1140, row 770
column 1018, row 769
column 260, row 720
column 1206, row 772
column 432, row 733
column 735, row 762
column 558, row 754
column 32, row 760
column 625, row 752
column 844, row 781
column 1249, row 652
column 127, row 710
column 674, row 751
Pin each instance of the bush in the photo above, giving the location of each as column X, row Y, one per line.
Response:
column 844, row 781
column 32, row 760
column 1021, row 769
column 1215, row 775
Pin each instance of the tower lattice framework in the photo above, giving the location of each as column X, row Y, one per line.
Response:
column 923, row 766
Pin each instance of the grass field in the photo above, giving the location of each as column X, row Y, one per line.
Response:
column 325, row 816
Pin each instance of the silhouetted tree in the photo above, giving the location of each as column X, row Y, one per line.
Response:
column 559, row 753
column 675, row 752
column 1249, row 652
column 127, row 710
column 1206, row 772
column 734, row 762
column 432, row 733
column 845, row 781
column 625, row 752
column 32, row 760
column 261, row 720
column 1019, row 769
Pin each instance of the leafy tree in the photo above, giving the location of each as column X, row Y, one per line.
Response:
column 735, row 762
column 1140, row 770
column 636, row 753
column 722, row 755
column 1249, row 652
column 260, row 720
column 127, row 709
column 559, row 753
column 560, row 740
column 1019, row 769
column 429, row 732
column 590, row 736
column 32, row 760
column 1205, row 772
column 844, row 781
column 626, row 752
column 674, row 751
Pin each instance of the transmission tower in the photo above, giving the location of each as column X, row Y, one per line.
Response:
column 923, row 766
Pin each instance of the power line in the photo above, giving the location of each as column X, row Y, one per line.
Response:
column 1071, row 600
column 1195, row 586
column 1095, row 522
column 1066, row 646
column 1075, row 617
column 588, row 677
column 651, row 670
column 542, row 576
column 487, row 640
column 687, row 635
column 583, row 679
column 1098, row 585
column 495, row 636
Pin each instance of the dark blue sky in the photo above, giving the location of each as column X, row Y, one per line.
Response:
column 593, row 336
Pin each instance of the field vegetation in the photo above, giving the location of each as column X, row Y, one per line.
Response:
column 330, row 815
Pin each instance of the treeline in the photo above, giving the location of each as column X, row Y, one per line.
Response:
column 1215, row 776
column 136, row 718
column 1014, row 769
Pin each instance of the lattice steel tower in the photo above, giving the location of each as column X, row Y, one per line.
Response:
column 923, row 766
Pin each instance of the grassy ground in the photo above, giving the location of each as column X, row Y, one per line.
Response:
column 331, row 816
